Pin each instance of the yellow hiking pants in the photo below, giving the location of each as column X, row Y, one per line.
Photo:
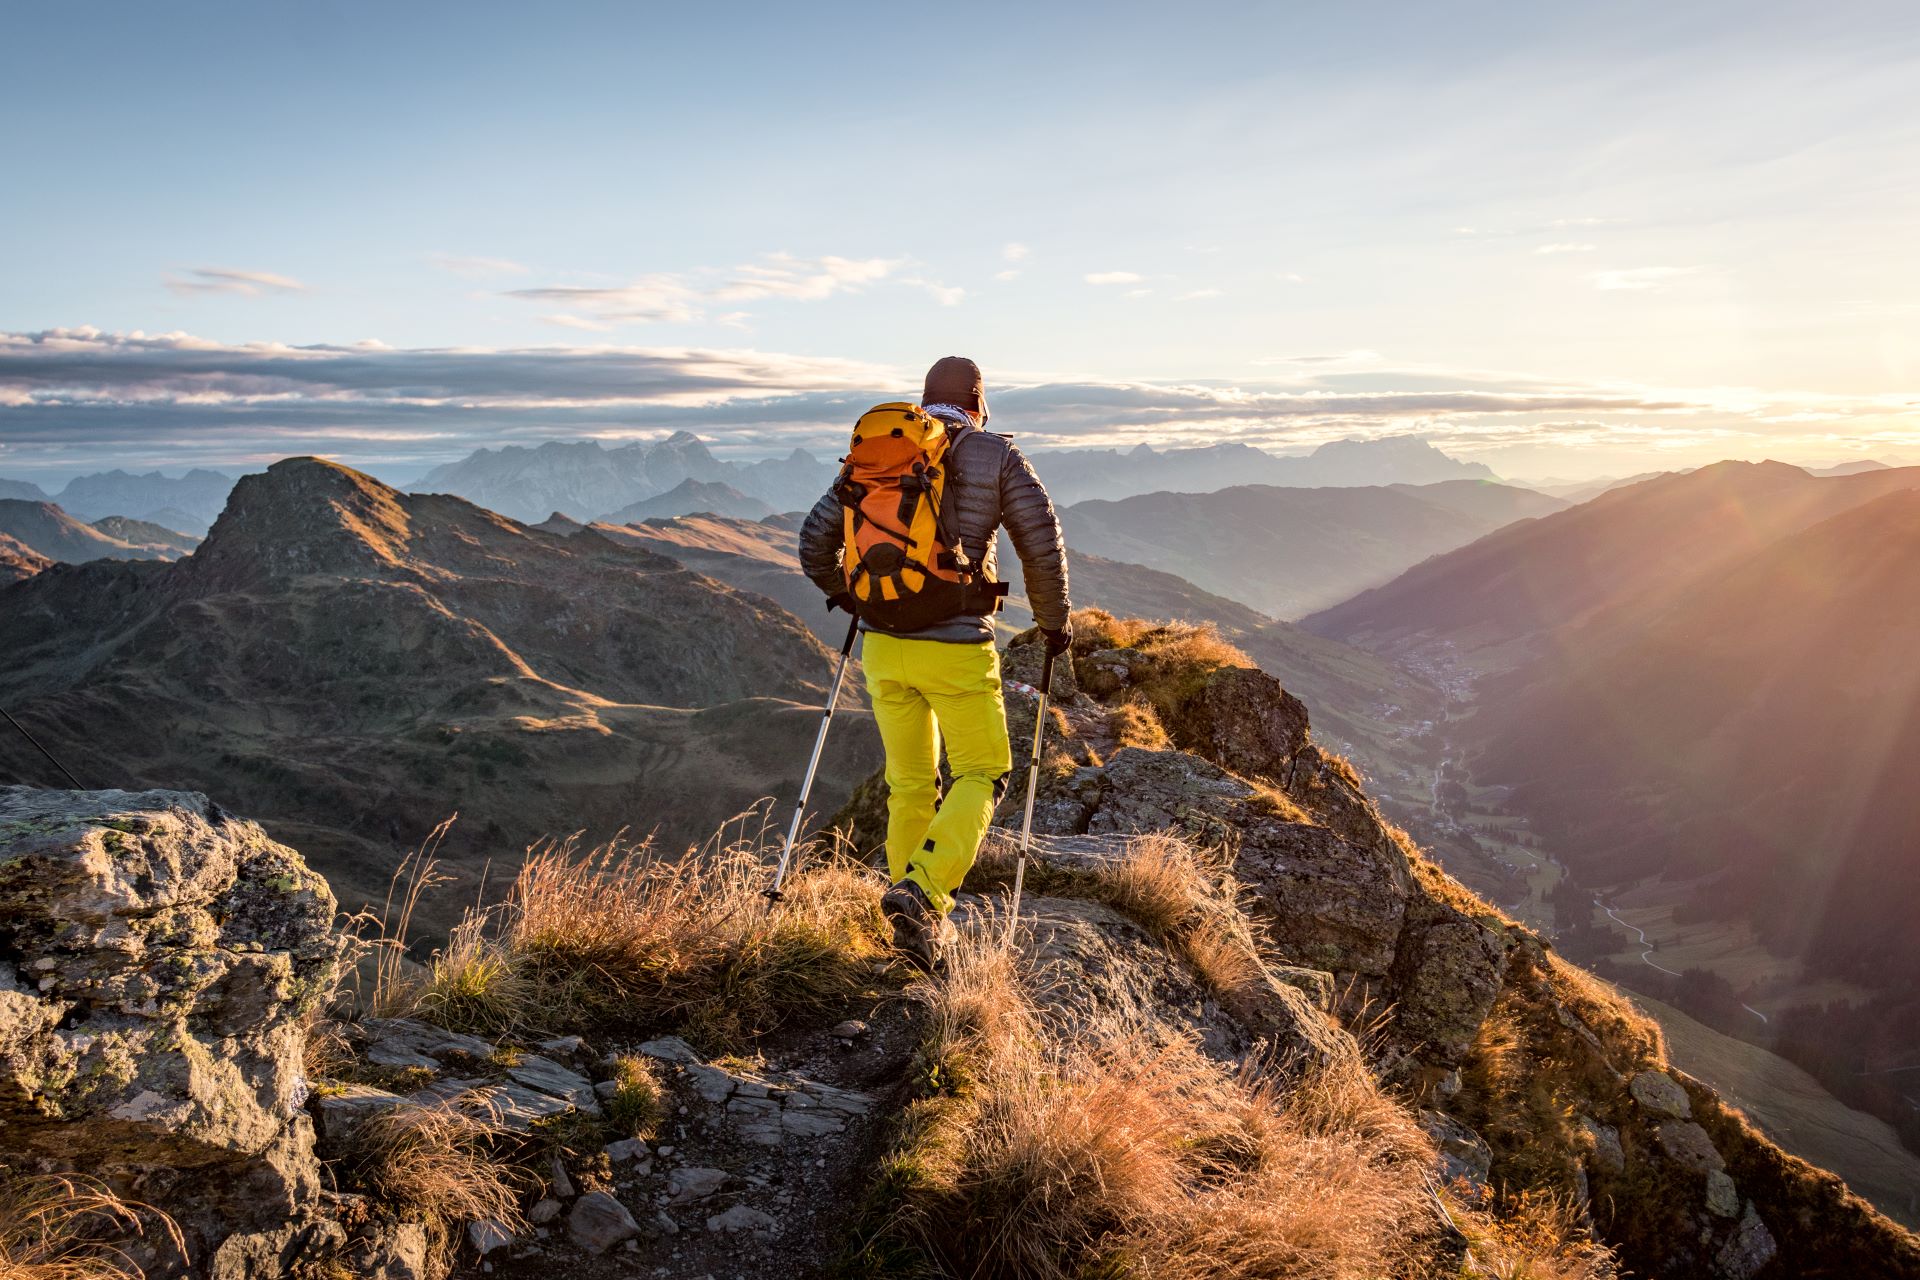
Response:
column 926, row 693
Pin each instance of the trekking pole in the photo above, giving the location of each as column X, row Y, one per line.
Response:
column 813, row 765
column 1033, row 785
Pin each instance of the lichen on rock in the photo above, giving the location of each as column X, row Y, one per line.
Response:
column 159, row 956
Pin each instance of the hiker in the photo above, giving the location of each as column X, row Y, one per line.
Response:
column 929, row 481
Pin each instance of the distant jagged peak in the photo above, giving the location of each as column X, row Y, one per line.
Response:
column 1401, row 449
column 22, row 490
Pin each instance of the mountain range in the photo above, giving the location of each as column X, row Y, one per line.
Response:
column 1708, row 678
column 355, row 663
column 189, row 503
column 1351, row 684
column 590, row 481
column 1289, row 551
column 1079, row 475
column 593, row 482
column 55, row 535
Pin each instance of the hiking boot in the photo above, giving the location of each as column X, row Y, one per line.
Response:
column 916, row 925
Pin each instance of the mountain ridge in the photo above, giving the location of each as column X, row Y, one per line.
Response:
column 1289, row 551
column 346, row 659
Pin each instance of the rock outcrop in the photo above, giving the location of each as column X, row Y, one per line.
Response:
column 1479, row 1020
column 156, row 959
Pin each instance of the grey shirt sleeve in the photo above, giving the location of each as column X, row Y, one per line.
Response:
column 1028, row 514
column 822, row 542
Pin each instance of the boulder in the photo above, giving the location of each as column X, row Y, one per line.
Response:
column 398, row 1252
column 1723, row 1197
column 486, row 1235
column 1687, row 1144
column 339, row 1112
column 554, row 1080
column 599, row 1222
column 742, row 1218
column 162, row 956
column 1608, row 1155
column 1661, row 1094
column 1243, row 719
column 1445, row 977
column 1464, row 1154
column 1331, row 902
column 1747, row 1251
column 686, row 1185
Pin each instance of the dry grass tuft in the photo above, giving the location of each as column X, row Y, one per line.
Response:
column 977, row 1010
column 1530, row 1236
column 1333, row 1187
column 436, row 1165
column 619, row 934
column 1162, row 882
column 1225, row 952
column 1170, row 660
column 1056, row 1159
column 638, row 1104
column 1633, row 1041
column 1277, row 803
column 1134, row 723
column 475, row 984
column 1186, row 897
column 55, row 1227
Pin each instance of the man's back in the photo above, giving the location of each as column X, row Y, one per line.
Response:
column 990, row 483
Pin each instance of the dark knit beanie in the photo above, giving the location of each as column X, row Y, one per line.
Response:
column 956, row 380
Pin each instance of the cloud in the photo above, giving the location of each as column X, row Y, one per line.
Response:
column 1015, row 252
column 1193, row 295
column 1566, row 248
column 781, row 275
column 1639, row 278
column 1292, row 277
column 1139, row 293
column 652, row 299
column 82, row 399
column 1357, row 356
column 1009, row 274
column 1113, row 277
column 945, row 294
column 567, row 321
column 250, row 284
column 683, row 297
column 475, row 268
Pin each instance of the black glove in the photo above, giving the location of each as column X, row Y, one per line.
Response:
column 842, row 600
column 1058, row 642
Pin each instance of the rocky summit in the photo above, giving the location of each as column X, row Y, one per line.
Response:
column 1243, row 1027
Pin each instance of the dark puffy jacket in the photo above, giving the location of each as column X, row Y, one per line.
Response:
column 990, row 483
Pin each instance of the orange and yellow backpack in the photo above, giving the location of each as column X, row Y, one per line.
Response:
column 905, row 568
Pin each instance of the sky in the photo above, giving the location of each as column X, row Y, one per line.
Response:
column 1566, row 240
